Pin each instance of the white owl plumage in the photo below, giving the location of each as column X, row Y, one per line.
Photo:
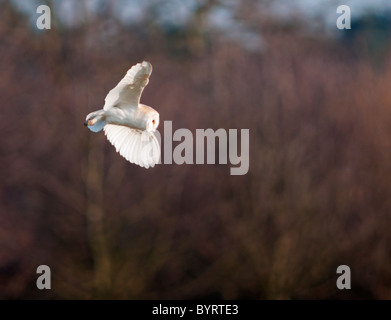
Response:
column 128, row 124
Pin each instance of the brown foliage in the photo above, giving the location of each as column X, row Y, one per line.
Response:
column 316, row 195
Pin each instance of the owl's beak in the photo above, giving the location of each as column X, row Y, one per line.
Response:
column 86, row 123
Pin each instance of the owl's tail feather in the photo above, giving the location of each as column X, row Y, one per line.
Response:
column 98, row 126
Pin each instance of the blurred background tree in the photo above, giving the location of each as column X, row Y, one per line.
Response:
column 317, row 194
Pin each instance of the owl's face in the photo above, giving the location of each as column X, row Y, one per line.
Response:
column 153, row 123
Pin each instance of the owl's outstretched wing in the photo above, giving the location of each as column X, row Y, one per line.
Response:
column 128, row 91
column 136, row 146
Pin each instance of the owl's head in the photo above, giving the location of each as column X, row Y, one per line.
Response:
column 153, row 122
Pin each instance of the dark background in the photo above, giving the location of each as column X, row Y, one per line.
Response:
column 317, row 101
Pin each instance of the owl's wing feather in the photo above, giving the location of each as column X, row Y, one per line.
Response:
column 128, row 91
column 136, row 146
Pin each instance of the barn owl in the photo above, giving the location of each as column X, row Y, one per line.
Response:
column 128, row 124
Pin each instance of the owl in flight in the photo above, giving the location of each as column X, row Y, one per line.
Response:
column 127, row 123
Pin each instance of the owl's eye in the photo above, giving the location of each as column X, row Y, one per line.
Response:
column 153, row 122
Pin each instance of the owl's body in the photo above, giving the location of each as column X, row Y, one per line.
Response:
column 128, row 124
column 131, row 117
